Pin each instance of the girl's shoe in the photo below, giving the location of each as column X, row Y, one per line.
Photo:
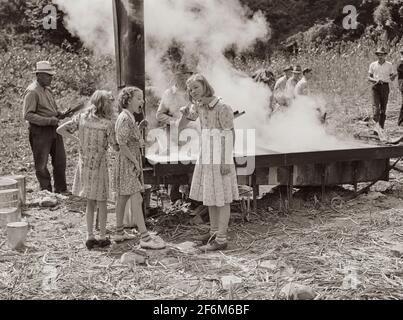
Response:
column 204, row 238
column 155, row 244
column 119, row 237
column 104, row 243
column 91, row 243
column 214, row 246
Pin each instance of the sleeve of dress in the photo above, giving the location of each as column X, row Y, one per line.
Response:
column 122, row 131
column 226, row 117
column 73, row 124
column 193, row 113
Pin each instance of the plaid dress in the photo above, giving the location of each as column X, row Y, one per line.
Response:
column 91, row 180
column 127, row 181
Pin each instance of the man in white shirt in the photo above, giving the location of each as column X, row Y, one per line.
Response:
column 302, row 87
column 174, row 98
column 381, row 73
column 168, row 113
column 279, row 87
column 292, row 82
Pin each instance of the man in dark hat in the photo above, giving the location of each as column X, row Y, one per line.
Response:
column 266, row 76
column 279, row 87
column 168, row 112
column 400, row 80
column 381, row 73
column 42, row 114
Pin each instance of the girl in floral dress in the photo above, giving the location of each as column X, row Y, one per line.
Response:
column 95, row 134
column 214, row 179
column 128, row 181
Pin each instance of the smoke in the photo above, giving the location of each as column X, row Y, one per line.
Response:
column 206, row 29
column 91, row 21
column 299, row 128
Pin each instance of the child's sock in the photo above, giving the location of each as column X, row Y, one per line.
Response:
column 145, row 236
column 221, row 239
column 120, row 230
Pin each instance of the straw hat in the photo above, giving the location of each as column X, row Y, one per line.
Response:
column 290, row 68
column 297, row 69
column 182, row 68
column 44, row 67
column 380, row 51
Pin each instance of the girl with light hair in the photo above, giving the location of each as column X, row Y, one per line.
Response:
column 214, row 182
column 128, row 179
column 95, row 134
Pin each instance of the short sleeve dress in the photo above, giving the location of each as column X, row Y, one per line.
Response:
column 91, row 180
column 127, row 181
column 208, row 184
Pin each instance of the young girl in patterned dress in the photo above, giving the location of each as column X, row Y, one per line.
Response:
column 214, row 179
column 91, row 181
column 129, row 181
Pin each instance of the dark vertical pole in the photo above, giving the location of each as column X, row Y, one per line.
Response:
column 129, row 43
column 128, row 20
column 290, row 185
column 255, row 187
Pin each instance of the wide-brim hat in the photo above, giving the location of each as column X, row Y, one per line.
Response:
column 44, row 67
column 381, row 51
column 290, row 68
column 297, row 69
column 182, row 68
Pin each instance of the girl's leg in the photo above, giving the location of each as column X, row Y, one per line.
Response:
column 137, row 210
column 224, row 214
column 90, row 219
column 214, row 222
column 120, row 212
column 102, row 216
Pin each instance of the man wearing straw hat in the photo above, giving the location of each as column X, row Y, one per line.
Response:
column 400, row 80
column 292, row 82
column 42, row 114
column 381, row 73
column 279, row 87
column 168, row 112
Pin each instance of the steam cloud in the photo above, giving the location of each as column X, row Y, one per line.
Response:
column 206, row 29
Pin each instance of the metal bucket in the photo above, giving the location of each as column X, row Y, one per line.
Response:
column 17, row 234
column 8, row 215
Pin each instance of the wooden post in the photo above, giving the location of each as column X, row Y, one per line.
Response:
column 355, row 176
column 290, row 185
column 255, row 187
column 323, row 180
column 130, row 44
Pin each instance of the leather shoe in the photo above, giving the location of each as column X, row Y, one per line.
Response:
column 204, row 238
column 214, row 246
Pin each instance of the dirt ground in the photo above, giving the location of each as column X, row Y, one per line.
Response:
column 340, row 248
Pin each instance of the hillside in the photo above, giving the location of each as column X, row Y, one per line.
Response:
column 316, row 20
